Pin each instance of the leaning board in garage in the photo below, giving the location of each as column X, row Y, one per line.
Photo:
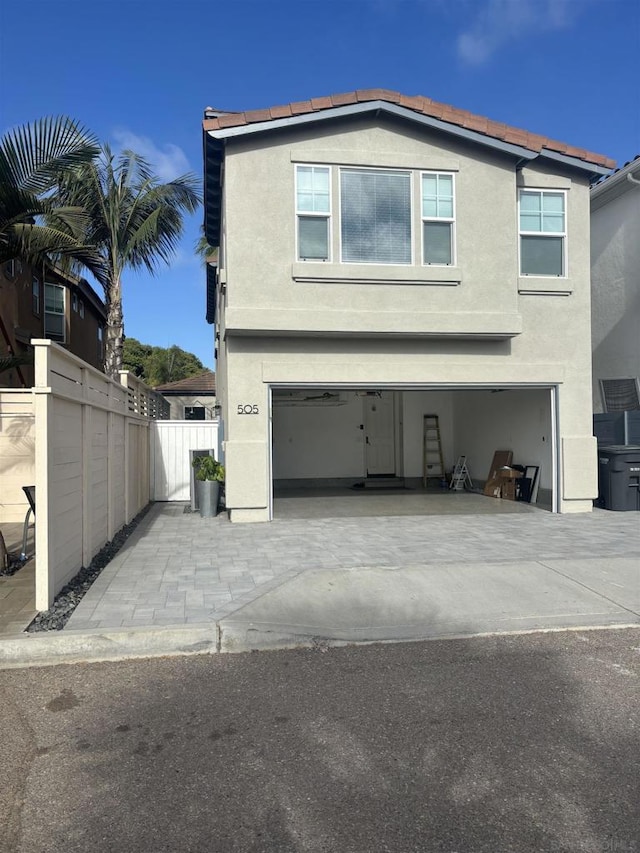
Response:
column 501, row 458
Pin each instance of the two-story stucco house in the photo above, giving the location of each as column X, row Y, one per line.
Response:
column 384, row 258
column 615, row 290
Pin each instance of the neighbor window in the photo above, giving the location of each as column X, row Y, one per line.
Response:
column 375, row 216
column 194, row 413
column 313, row 208
column 35, row 296
column 542, row 232
column 100, row 344
column 74, row 302
column 81, row 308
column 54, row 319
column 437, row 218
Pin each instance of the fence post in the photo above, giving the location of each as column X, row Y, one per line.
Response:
column 43, row 403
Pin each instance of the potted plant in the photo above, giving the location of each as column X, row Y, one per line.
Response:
column 209, row 474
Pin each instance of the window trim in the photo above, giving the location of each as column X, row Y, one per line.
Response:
column 61, row 287
column 562, row 234
column 451, row 220
column 314, row 214
column 410, row 173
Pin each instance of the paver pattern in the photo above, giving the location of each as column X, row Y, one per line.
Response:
column 178, row 568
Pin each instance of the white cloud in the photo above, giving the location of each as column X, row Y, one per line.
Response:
column 500, row 21
column 168, row 162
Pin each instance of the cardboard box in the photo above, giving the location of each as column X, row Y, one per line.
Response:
column 508, row 473
column 509, row 490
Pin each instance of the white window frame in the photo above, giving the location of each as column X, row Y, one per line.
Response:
column 410, row 173
column 313, row 213
column 61, row 287
column 451, row 220
column 563, row 234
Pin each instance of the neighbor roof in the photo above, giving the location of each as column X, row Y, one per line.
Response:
column 612, row 186
column 220, row 121
column 203, row 383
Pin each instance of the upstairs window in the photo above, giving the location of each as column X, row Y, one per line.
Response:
column 100, row 349
column 54, row 313
column 313, row 208
column 375, row 216
column 437, row 218
column 81, row 309
column 74, row 302
column 542, row 232
column 35, row 296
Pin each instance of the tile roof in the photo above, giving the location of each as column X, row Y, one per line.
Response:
column 203, row 383
column 416, row 103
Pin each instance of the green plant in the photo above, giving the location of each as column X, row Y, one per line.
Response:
column 208, row 468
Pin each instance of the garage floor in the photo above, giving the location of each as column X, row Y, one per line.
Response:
column 351, row 503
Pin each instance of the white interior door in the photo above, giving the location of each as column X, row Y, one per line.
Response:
column 379, row 434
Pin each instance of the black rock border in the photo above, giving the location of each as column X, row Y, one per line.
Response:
column 72, row 593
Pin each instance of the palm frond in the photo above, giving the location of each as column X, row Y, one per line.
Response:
column 32, row 156
column 9, row 362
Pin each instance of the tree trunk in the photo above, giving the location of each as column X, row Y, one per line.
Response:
column 114, row 337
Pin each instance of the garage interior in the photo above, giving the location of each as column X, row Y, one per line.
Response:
column 384, row 451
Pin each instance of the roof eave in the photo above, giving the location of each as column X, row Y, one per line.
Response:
column 593, row 169
column 373, row 106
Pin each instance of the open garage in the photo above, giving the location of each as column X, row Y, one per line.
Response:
column 393, row 451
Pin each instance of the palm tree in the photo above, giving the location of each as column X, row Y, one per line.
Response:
column 34, row 226
column 134, row 221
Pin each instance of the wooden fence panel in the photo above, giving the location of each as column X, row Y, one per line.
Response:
column 92, row 463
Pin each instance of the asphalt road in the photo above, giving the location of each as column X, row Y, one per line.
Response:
column 500, row 744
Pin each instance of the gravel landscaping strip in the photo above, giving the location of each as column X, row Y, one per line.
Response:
column 72, row 594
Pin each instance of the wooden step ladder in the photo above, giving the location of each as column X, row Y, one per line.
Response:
column 461, row 478
column 432, row 459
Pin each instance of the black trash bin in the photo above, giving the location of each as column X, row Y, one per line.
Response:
column 619, row 470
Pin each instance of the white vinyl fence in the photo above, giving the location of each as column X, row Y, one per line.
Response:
column 171, row 442
column 91, row 462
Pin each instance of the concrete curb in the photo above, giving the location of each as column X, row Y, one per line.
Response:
column 48, row 648
column 238, row 637
column 51, row 648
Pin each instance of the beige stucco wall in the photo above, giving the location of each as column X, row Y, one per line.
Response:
column 287, row 323
column 615, row 252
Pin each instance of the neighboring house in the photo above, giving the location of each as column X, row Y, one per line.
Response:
column 615, row 290
column 191, row 399
column 383, row 258
column 44, row 302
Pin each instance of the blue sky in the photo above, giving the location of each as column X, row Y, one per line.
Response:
column 139, row 73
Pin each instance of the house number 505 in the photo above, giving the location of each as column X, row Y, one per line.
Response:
column 248, row 409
